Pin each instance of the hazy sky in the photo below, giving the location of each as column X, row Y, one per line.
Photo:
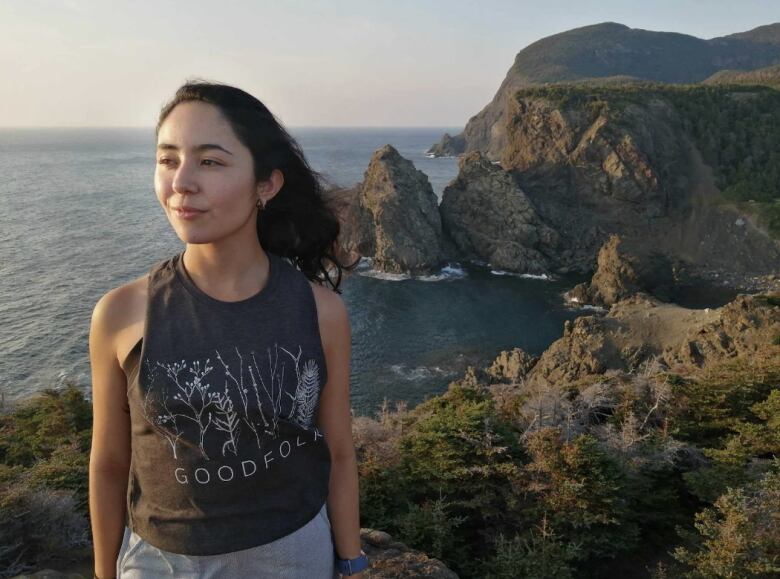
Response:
column 334, row 63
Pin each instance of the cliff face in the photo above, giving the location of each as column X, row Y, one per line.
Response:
column 611, row 50
column 601, row 161
column 624, row 159
column 588, row 173
column 580, row 164
column 489, row 218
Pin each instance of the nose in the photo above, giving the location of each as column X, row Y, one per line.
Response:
column 184, row 179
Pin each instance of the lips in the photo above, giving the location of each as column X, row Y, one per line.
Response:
column 187, row 213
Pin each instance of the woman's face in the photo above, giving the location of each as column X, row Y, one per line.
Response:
column 202, row 165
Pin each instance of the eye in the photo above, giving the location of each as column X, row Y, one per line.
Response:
column 213, row 162
column 164, row 161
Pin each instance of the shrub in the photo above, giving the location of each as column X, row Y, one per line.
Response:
column 582, row 490
column 740, row 535
column 539, row 556
column 38, row 526
column 430, row 527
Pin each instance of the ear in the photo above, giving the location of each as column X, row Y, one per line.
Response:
column 267, row 189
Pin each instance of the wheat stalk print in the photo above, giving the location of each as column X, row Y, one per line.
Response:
column 229, row 423
column 307, row 393
column 274, row 396
column 242, row 392
column 222, row 412
column 297, row 382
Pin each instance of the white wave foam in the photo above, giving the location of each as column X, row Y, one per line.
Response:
column 419, row 372
column 539, row 276
column 448, row 272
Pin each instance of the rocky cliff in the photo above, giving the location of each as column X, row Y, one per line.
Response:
column 390, row 559
column 610, row 50
column 601, row 161
column 489, row 218
column 639, row 329
column 393, row 217
column 580, row 164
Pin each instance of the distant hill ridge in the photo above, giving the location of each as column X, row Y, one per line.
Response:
column 768, row 76
column 615, row 53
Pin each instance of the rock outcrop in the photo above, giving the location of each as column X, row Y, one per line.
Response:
column 354, row 239
column 641, row 328
column 448, row 146
column 511, row 366
column 621, row 273
column 591, row 170
column 394, row 216
column 390, row 559
column 489, row 218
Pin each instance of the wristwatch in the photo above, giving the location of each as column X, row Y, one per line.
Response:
column 352, row 566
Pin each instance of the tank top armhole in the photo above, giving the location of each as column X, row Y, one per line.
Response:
column 316, row 323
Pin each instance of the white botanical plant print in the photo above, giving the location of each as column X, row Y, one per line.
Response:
column 224, row 399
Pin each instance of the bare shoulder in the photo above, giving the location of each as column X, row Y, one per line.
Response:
column 331, row 311
column 119, row 314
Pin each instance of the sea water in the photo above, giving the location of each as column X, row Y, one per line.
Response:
column 79, row 217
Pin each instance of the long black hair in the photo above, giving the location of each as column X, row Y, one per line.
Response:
column 297, row 223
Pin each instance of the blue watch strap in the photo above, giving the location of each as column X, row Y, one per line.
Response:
column 351, row 566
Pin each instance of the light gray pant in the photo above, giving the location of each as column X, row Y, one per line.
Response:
column 304, row 554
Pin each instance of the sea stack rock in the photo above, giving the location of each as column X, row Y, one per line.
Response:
column 400, row 213
column 622, row 271
column 489, row 218
column 448, row 147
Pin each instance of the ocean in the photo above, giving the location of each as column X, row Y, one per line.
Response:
column 81, row 217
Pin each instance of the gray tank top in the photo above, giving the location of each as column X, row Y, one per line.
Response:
column 222, row 399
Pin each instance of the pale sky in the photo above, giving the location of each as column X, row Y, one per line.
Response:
column 335, row 63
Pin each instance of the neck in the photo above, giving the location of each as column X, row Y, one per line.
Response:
column 227, row 274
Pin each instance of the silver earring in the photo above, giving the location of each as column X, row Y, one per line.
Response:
column 260, row 204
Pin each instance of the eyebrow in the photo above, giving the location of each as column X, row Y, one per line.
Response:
column 204, row 147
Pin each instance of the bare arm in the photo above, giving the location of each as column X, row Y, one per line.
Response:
column 334, row 418
column 109, row 462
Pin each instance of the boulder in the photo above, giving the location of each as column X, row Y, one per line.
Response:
column 489, row 218
column 390, row 559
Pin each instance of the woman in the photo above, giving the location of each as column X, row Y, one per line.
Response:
column 222, row 444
